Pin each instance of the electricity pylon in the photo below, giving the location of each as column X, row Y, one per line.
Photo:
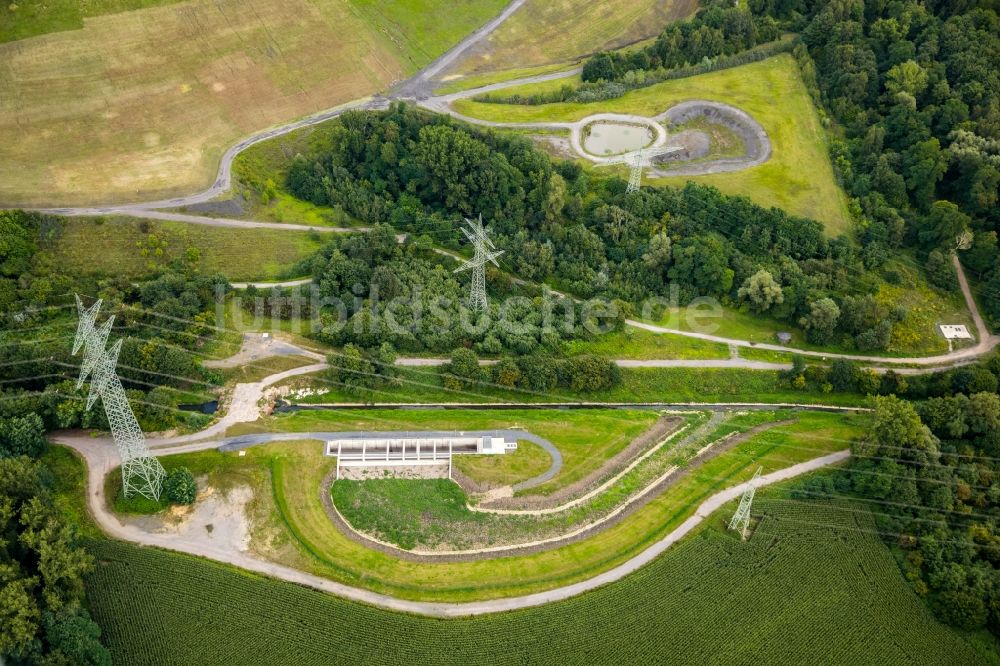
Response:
column 741, row 519
column 485, row 252
column 141, row 472
column 639, row 160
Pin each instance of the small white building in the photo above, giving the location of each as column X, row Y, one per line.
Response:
column 955, row 332
column 375, row 450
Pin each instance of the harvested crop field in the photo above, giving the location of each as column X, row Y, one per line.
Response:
column 142, row 104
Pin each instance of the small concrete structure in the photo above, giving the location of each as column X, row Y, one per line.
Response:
column 784, row 337
column 379, row 449
column 952, row 332
column 955, row 332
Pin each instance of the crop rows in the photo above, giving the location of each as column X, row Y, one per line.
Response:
column 809, row 587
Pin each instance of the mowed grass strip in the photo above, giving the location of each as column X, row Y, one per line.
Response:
column 142, row 104
column 798, row 178
column 319, row 547
column 542, row 32
column 134, row 248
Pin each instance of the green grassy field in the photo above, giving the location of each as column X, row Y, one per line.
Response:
column 141, row 104
column 133, row 248
column 819, row 586
column 290, row 525
column 636, row 343
column 528, row 460
column 798, row 178
column 542, row 32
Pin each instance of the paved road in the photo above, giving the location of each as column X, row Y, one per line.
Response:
column 268, row 285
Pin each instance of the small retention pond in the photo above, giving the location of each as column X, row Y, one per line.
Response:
column 610, row 138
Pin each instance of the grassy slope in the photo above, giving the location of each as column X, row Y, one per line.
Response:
column 142, row 104
column 822, row 593
column 543, row 32
column 315, row 545
column 527, row 461
column 798, row 177
column 240, row 254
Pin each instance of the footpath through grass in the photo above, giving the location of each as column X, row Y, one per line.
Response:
column 822, row 586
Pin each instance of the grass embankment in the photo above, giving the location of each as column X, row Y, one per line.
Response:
column 133, row 248
column 815, row 568
column 307, row 539
column 798, row 178
column 542, row 33
column 263, row 367
column 525, row 462
column 432, row 514
column 142, row 104
column 636, row 343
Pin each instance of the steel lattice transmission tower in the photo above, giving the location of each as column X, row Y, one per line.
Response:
column 639, row 160
column 485, row 252
column 141, row 472
column 741, row 519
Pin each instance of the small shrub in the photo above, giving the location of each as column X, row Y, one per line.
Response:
column 180, row 487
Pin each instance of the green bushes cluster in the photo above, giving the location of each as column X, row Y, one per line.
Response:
column 535, row 373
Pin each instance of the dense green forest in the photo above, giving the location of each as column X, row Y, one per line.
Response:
column 42, row 565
